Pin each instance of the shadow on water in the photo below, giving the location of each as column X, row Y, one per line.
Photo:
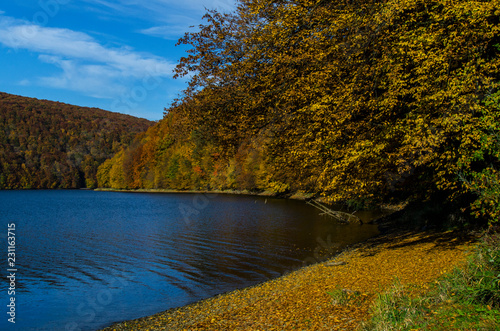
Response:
column 92, row 258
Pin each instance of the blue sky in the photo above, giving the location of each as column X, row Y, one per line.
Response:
column 116, row 55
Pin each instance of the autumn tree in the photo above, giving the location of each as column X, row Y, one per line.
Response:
column 46, row 144
column 361, row 101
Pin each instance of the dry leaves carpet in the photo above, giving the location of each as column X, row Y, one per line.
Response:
column 299, row 300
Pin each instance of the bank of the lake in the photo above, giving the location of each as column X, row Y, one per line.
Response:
column 303, row 299
column 370, row 215
column 295, row 196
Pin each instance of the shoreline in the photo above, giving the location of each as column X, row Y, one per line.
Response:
column 386, row 209
column 300, row 299
column 294, row 196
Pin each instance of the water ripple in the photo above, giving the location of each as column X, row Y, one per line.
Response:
column 93, row 258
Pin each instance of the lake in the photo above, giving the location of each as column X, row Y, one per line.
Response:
column 86, row 259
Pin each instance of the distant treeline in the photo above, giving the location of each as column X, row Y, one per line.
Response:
column 360, row 101
column 45, row 144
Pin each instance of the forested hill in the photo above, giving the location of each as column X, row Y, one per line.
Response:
column 45, row 144
column 359, row 101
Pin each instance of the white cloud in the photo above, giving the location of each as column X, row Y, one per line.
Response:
column 192, row 5
column 157, row 9
column 92, row 64
column 86, row 65
column 24, row 82
column 170, row 18
column 165, row 31
column 77, row 45
column 95, row 80
column 177, row 26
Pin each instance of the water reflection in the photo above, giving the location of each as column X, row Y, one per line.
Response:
column 92, row 258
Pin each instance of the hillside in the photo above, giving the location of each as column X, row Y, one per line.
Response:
column 46, row 144
column 362, row 102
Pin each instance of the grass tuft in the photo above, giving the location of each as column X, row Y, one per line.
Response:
column 468, row 298
column 342, row 296
column 479, row 281
column 395, row 309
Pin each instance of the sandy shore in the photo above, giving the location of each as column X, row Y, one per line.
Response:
column 299, row 300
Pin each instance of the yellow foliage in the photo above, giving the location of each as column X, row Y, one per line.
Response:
column 357, row 99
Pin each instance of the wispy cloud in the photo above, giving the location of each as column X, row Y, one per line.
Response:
column 156, row 9
column 158, row 13
column 175, row 28
column 96, row 80
column 92, row 55
column 86, row 65
column 192, row 5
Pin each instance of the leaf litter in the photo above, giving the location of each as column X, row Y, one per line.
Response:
column 304, row 299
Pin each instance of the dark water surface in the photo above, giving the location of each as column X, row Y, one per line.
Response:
column 86, row 259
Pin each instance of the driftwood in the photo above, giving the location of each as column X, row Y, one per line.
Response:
column 338, row 215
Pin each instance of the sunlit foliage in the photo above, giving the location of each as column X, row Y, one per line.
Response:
column 361, row 101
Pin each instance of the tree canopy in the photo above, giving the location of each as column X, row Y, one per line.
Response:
column 45, row 144
column 360, row 101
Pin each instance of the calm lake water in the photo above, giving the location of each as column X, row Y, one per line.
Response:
column 86, row 259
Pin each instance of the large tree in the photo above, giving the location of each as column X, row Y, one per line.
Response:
column 357, row 100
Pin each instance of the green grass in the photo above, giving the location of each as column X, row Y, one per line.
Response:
column 344, row 296
column 466, row 299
